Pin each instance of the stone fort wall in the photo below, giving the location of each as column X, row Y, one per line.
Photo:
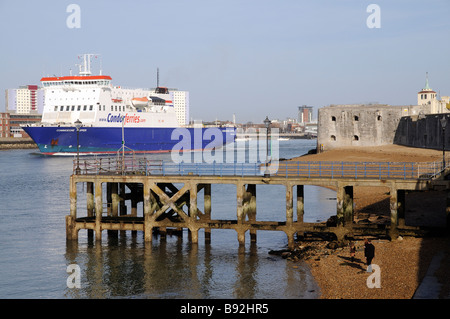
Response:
column 370, row 125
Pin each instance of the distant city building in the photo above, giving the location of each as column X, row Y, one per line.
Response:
column 27, row 99
column 305, row 114
column 180, row 101
column 10, row 123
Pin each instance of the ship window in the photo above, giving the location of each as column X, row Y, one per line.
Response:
column 91, row 107
column 73, row 108
column 103, row 107
column 85, row 108
column 99, row 107
column 67, row 108
column 61, row 108
column 115, row 108
column 112, row 108
column 56, row 108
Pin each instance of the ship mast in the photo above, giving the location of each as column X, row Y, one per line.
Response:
column 85, row 68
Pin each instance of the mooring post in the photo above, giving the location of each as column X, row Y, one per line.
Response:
column 207, row 210
column 98, row 210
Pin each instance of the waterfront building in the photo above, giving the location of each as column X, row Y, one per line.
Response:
column 27, row 99
column 10, row 123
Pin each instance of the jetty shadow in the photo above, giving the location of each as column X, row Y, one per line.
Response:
column 427, row 209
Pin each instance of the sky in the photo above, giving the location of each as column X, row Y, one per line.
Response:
column 251, row 58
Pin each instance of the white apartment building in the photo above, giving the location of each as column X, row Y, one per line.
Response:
column 180, row 101
column 27, row 99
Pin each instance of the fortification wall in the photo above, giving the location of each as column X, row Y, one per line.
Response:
column 360, row 125
column 423, row 131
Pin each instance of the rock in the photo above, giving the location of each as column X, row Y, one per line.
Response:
column 339, row 245
column 332, row 221
column 278, row 252
column 286, row 254
column 332, row 245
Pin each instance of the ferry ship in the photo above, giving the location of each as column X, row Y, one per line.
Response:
column 86, row 114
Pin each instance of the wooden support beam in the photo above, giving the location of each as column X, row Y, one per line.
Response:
column 240, row 193
column 169, row 202
column 344, row 199
column 401, row 207
column 207, row 209
column 289, row 205
column 348, row 205
column 148, row 205
column 121, row 199
column 447, row 210
column 393, row 205
column 71, row 230
column 300, row 203
column 98, row 210
column 251, row 209
column 90, row 199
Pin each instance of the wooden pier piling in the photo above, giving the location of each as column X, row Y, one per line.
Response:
column 170, row 202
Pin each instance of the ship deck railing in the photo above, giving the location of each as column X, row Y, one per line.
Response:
column 288, row 169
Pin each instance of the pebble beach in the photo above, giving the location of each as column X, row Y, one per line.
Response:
column 403, row 263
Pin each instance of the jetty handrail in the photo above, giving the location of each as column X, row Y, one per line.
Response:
column 288, row 169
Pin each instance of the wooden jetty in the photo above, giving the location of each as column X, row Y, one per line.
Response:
column 112, row 181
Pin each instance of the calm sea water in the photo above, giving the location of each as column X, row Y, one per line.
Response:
column 34, row 255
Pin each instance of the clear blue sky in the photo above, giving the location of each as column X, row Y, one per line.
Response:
column 249, row 57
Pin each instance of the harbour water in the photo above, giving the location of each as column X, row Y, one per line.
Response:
column 34, row 255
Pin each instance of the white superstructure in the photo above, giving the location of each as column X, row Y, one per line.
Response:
column 95, row 101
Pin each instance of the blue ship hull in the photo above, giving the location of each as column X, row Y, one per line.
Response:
column 53, row 140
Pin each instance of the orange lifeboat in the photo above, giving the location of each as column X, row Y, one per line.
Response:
column 139, row 102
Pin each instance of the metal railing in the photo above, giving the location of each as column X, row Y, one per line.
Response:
column 133, row 165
